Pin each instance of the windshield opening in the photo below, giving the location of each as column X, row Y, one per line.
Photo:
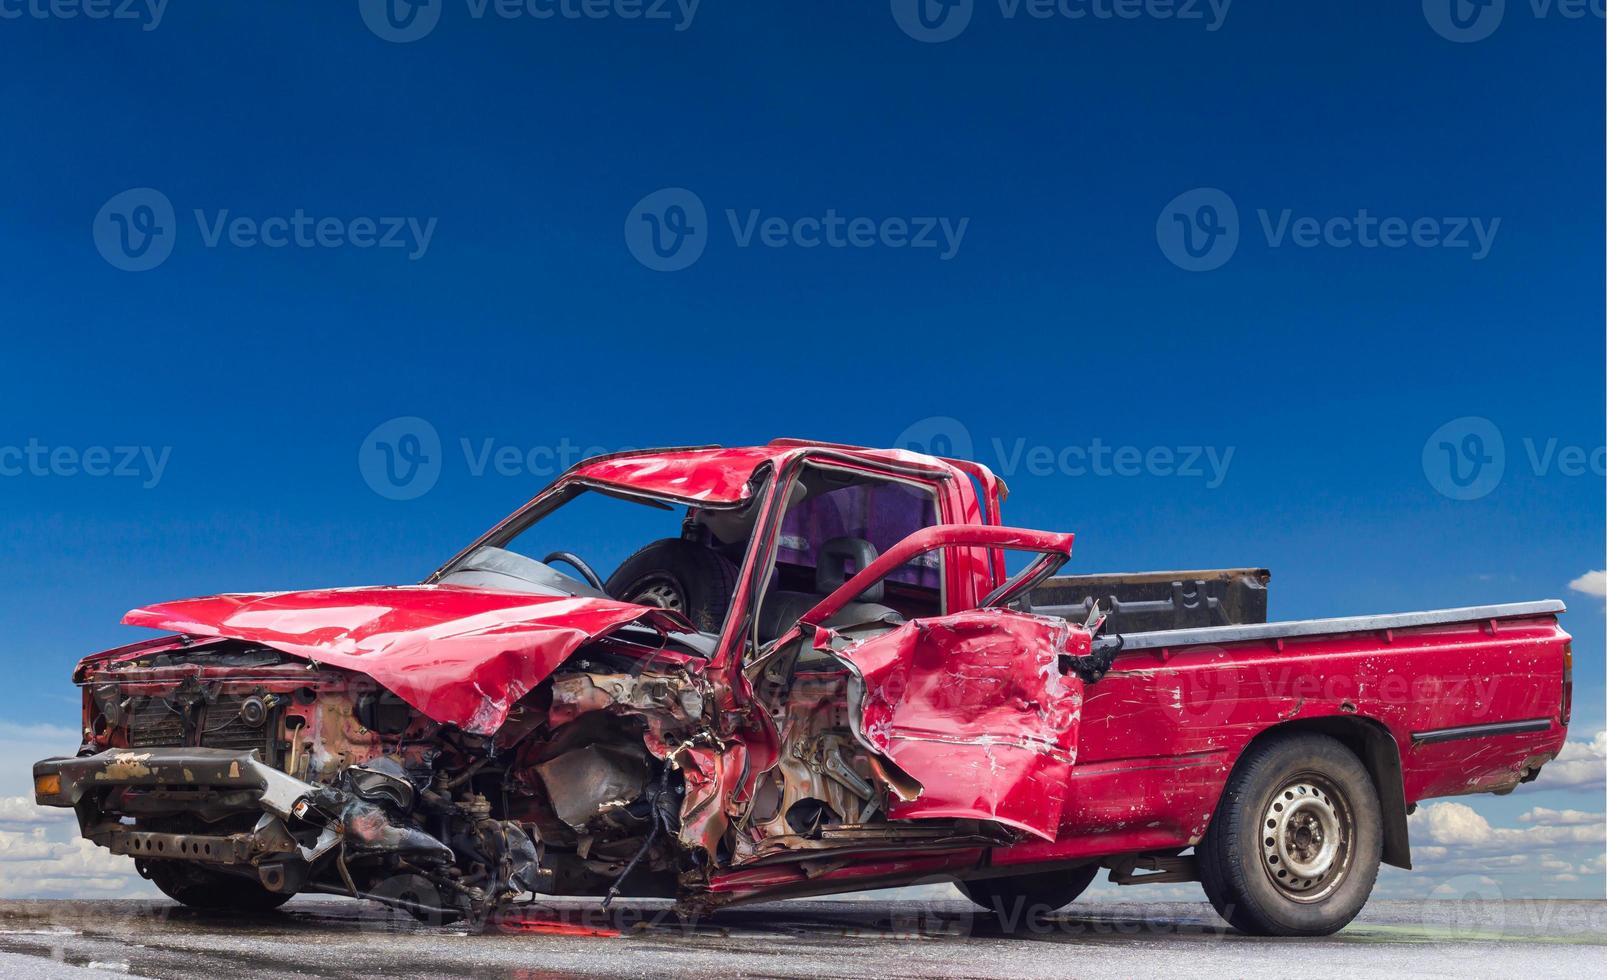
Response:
column 599, row 543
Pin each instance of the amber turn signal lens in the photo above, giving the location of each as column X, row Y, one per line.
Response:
column 47, row 785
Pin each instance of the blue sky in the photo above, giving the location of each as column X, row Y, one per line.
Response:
column 1282, row 254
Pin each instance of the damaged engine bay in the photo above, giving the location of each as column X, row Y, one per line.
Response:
column 231, row 769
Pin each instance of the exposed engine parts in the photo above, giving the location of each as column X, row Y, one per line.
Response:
column 287, row 777
column 296, row 778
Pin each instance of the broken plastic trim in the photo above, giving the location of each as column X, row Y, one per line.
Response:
column 1097, row 662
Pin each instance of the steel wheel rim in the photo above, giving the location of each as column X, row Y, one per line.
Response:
column 660, row 591
column 1307, row 838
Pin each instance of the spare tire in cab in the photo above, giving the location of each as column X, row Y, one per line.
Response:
column 681, row 576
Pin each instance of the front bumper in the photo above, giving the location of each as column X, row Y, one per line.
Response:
column 280, row 860
column 66, row 782
column 299, row 824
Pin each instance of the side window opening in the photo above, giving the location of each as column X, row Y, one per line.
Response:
column 838, row 523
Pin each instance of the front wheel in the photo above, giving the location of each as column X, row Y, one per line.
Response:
column 678, row 575
column 1012, row 897
column 1294, row 847
column 200, row 887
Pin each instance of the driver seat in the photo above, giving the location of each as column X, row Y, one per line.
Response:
column 783, row 609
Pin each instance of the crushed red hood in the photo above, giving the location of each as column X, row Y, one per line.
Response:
column 462, row 656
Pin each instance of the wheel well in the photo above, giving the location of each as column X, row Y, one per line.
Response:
column 1376, row 748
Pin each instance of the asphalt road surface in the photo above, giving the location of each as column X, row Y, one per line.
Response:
column 815, row 939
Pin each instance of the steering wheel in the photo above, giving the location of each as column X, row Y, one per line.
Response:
column 569, row 557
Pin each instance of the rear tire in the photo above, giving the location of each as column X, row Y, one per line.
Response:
column 1018, row 897
column 1294, row 847
column 200, row 887
column 681, row 576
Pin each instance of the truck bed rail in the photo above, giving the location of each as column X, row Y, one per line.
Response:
column 1157, row 639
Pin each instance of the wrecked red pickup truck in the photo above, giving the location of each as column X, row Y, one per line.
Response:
column 824, row 677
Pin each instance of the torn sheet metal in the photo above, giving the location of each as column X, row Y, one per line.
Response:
column 461, row 656
column 973, row 706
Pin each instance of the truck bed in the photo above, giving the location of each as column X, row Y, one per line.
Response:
column 1136, row 601
column 1443, row 702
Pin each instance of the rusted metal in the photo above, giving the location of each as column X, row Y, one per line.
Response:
column 233, row 849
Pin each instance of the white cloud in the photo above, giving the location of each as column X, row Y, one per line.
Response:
column 23, row 810
column 32, row 865
column 1546, row 853
column 1591, row 583
column 1552, row 848
column 1459, row 825
column 41, row 854
column 1451, row 823
column 1574, row 818
column 31, row 846
column 67, row 737
column 1580, row 765
column 23, row 745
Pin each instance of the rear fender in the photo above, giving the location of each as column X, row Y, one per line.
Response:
column 1378, row 751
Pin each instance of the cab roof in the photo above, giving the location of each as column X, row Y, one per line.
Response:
column 720, row 476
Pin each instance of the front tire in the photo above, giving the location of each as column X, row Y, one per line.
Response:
column 200, row 887
column 1013, row 898
column 681, row 576
column 1294, row 847
column 417, row 897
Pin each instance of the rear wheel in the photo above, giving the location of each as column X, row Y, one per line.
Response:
column 200, row 887
column 681, row 576
column 1294, row 847
column 1017, row 896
